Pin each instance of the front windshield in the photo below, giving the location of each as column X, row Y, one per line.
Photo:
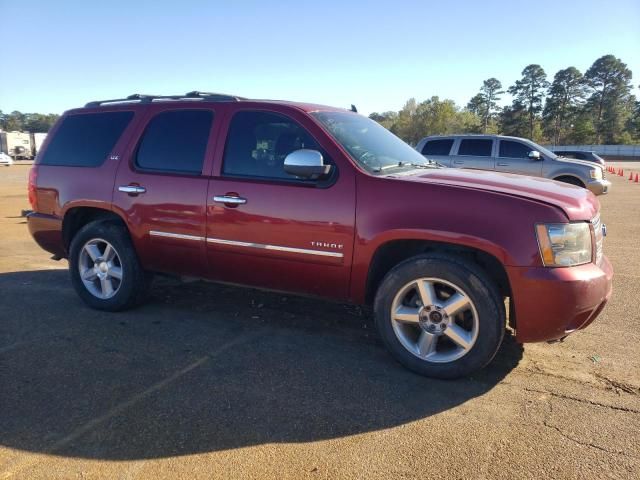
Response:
column 371, row 145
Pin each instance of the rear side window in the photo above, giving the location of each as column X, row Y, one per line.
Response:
column 85, row 140
column 511, row 149
column 475, row 147
column 437, row 147
column 175, row 141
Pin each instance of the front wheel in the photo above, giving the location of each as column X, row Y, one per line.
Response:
column 440, row 316
column 570, row 181
column 104, row 267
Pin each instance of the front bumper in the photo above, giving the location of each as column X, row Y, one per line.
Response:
column 599, row 187
column 550, row 303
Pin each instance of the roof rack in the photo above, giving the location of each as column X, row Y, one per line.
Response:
column 144, row 98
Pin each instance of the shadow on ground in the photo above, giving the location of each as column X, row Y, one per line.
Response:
column 200, row 368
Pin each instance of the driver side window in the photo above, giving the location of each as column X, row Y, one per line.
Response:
column 511, row 149
column 258, row 142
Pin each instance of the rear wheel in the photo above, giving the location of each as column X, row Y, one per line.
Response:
column 104, row 267
column 440, row 316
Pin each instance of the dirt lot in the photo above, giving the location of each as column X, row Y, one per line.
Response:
column 207, row 381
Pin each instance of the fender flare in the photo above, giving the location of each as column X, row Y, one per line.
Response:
column 365, row 254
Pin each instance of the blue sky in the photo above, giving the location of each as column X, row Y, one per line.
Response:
column 58, row 55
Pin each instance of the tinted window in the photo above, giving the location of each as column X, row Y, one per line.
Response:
column 437, row 147
column 475, row 147
column 258, row 142
column 514, row 149
column 175, row 141
column 85, row 140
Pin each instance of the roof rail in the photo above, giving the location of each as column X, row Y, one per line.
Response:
column 223, row 97
column 144, row 98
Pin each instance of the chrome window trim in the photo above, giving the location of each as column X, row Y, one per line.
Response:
column 181, row 236
column 279, row 248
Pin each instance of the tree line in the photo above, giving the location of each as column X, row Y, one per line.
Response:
column 596, row 107
column 27, row 122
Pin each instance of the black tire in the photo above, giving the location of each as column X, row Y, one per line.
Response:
column 476, row 285
column 135, row 282
column 570, row 181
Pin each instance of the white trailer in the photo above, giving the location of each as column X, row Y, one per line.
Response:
column 16, row 144
column 38, row 140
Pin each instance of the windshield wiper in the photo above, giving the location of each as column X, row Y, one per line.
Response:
column 387, row 167
column 429, row 164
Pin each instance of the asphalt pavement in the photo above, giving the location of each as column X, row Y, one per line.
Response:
column 209, row 381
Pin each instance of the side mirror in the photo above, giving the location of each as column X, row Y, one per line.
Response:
column 306, row 163
column 534, row 155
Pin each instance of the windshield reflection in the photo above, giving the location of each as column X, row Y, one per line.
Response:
column 371, row 145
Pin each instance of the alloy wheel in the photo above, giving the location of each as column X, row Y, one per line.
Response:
column 100, row 268
column 435, row 320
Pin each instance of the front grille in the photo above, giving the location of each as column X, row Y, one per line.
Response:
column 597, row 229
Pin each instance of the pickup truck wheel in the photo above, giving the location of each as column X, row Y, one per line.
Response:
column 104, row 267
column 570, row 181
column 440, row 316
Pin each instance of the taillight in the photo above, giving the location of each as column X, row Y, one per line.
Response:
column 33, row 197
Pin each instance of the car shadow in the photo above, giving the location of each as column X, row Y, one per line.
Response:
column 198, row 368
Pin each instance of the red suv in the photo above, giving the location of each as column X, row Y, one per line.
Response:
column 320, row 201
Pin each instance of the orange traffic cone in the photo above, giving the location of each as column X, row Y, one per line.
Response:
column 621, row 172
column 630, row 175
column 636, row 180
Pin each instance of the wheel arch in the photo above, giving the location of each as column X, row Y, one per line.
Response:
column 560, row 178
column 78, row 216
column 391, row 253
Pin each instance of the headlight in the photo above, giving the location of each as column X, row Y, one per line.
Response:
column 596, row 173
column 564, row 244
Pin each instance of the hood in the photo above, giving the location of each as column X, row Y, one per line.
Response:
column 576, row 202
column 575, row 161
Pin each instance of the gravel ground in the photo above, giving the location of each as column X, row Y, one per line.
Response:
column 206, row 381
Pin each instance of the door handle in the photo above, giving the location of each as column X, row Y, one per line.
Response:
column 229, row 199
column 500, row 164
column 458, row 162
column 132, row 189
